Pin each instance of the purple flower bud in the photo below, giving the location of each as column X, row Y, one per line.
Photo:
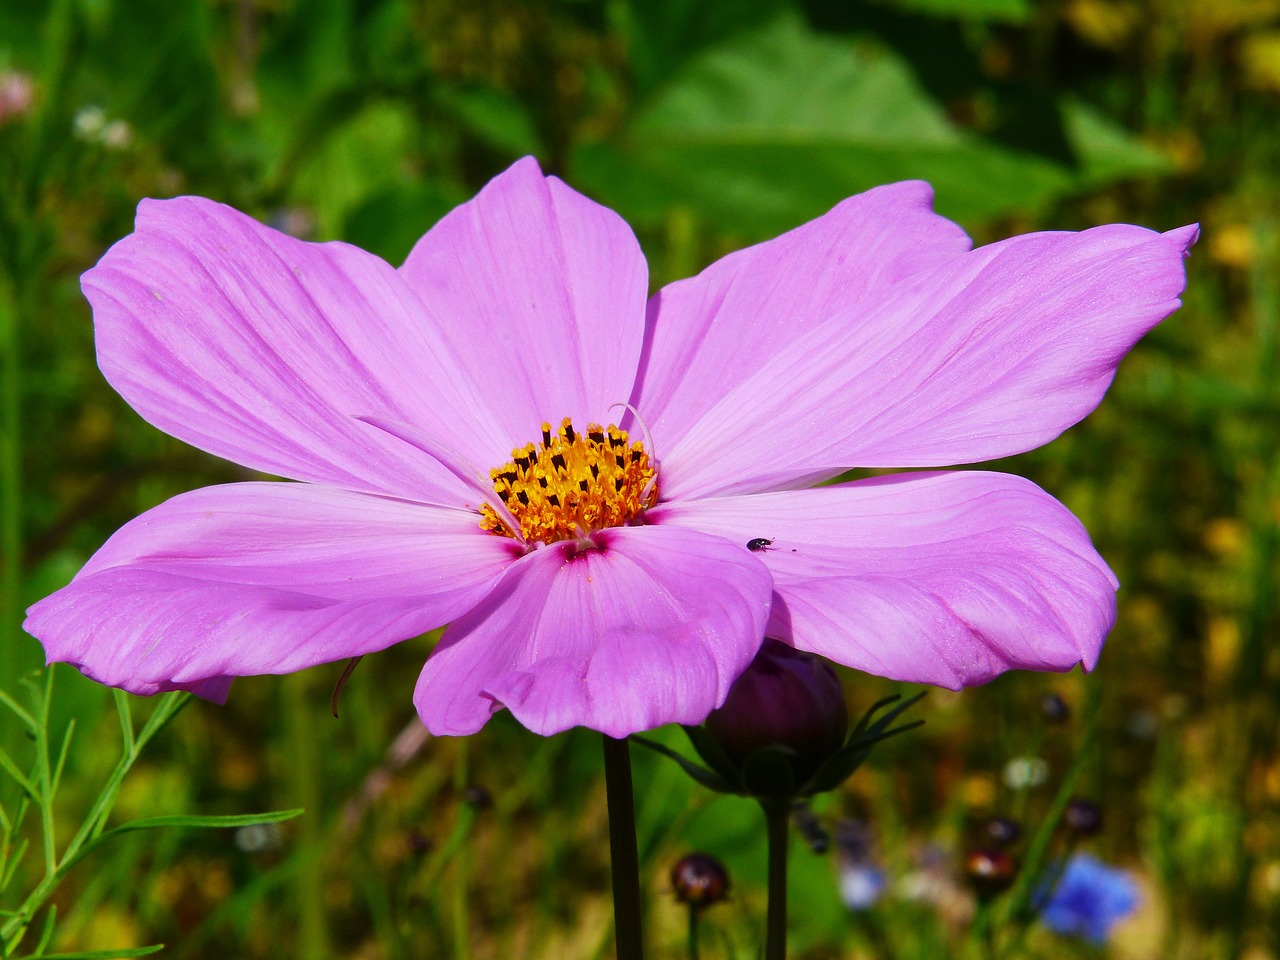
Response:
column 699, row 880
column 1002, row 831
column 1083, row 817
column 1054, row 708
column 478, row 797
column 785, row 699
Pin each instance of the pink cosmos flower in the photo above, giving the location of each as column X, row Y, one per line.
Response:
column 593, row 577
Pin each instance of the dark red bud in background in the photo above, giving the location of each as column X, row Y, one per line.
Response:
column 699, row 880
column 990, row 872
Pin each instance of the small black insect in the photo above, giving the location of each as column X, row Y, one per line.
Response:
column 758, row 543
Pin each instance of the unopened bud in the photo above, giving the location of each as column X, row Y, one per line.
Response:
column 1002, row 831
column 478, row 797
column 786, row 699
column 1083, row 817
column 699, row 880
column 1054, row 708
column 990, row 872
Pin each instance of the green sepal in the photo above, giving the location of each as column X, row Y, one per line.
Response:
column 869, row 731
column 708, row 778
column 768, row 772
column 713, row 755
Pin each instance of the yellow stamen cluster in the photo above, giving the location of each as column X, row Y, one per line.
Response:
column 571, row 485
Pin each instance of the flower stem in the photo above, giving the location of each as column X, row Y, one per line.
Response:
column 623, row 854
column 777, row 818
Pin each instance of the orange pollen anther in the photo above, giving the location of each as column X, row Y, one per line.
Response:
column 572, row 485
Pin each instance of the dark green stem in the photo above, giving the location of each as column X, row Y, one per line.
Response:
column 623, row 854
column 693, row 932
column 777, row 818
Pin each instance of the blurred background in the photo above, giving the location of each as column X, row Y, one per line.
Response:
column 709, row 126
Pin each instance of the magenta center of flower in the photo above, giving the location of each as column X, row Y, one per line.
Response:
column 571, row 485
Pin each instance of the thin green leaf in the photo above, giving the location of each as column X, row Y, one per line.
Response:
column 1008, row 11
column 126, row 719
column 121, row 952
column 12, row 866
column 77, row 851
column 204, row 822
column 170, row 705
column 11, row 768
column 28, row 721
column 46, row 931
column 708, row 778
column 62, row 758
column 1030, row 877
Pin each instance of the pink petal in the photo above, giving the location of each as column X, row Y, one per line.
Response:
column 943, row 578
column 651, row 629
column 264, row 578
column 541, row 291
column 993, row 353
column 263, row 349
column 712, row 331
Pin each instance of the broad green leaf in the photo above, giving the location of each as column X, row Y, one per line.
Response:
column 662, row 36
column 494, row 117
column 351, row 163
column 1107, row 152
column 390, row 221
column 775, row 127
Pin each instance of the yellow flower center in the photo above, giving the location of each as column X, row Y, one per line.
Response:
column 571, row 485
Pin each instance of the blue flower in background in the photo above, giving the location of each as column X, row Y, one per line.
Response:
column 1089, row 899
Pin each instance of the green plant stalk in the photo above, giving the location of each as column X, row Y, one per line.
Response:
column 1015, row 908
column 777, row 819
column 448, row 852
column 29, row 165
column 462, row 865
column 980, row 943
column 304, row 788
column 693, row 932
column 92, row 830
column 624, row 856
column 1253, row 706
column 10, row 491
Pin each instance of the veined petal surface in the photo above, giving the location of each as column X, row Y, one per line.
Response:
column 708, row 333
column 651, row 629
column 264, row 578
column 942, row 578
column 993, row 353
column 264, row 349
column 541, row 292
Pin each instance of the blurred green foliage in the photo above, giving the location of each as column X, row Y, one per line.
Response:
column 708, row 125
